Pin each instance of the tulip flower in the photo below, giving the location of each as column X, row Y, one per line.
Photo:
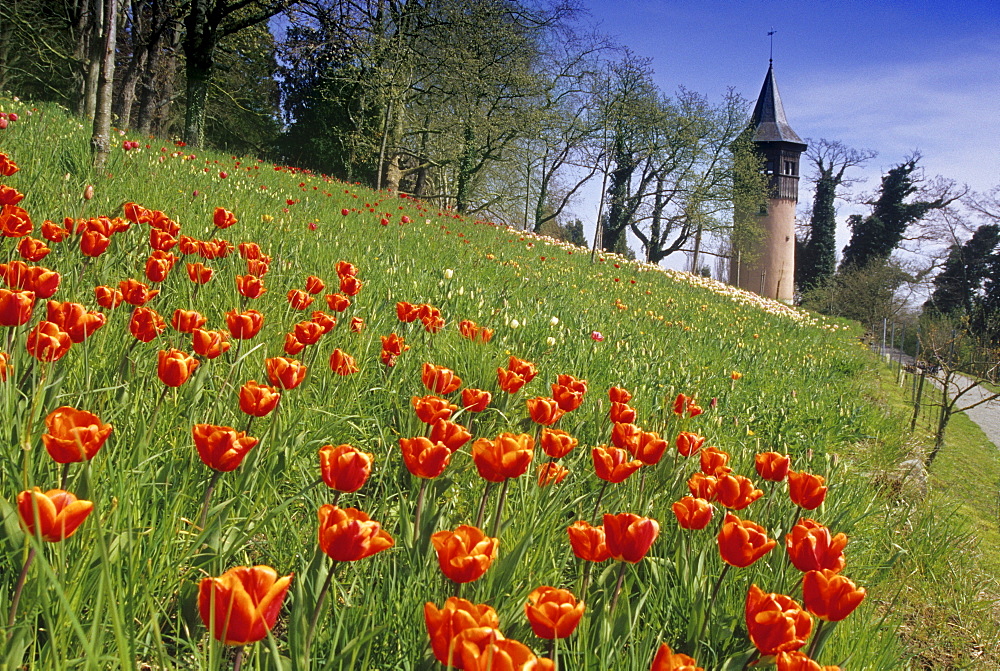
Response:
column 199, row 273
column 567, row 398
column 337, row 302
column 258, row 400
column 326, row 322
column 136, row 293
column 629, row 536
column 145, row 324
column 221, row 447
column 350, row 285
column 5, row 366
column 430, row 409
column 344, row 468
column 589, row 542
column 621, row 413
column 571, row 383
column 159, row 267
column 292, row 345
column 553, row 613
column 223, row 218
column 299, row 300
column 314, row 285
column 424, row 458
column 544, row 411
column 258, row 267
column 525, row 369
column 509, row 381
column 308, row 332
column 250, row 286
column 346, row 269
column 475, row 400
column 811, row 547
column 775, row 622
column 668, row 660
column 47, row 342
column 74, row 435
column 108, row 297
column 451, row 435
column 551, row 473
column 59, row 513
column 799, row 661
column 16, row 307
column 736, row 491
column 465, row 553
column 347, row 534
column 161, row 240
column 649, row 448
column 612, row 464
column 693, row 513
column 244, row 325
column 32, row 250
column 342, row 363
column 242, row 605
column 741, row 542
column 772, row 466
column 625, row 436
column 456, row 616
column 714, row 462
column 689, row 443
column 556, row 443
column 492, row 654
column 53, row 232
column 285, row 373
column 357, row 325
column 94, row 243
column 249, row 250
column 806, row 490
column 439, row 379
column 42, row 281
column 703, row 486
column 210, row 344
column 186, row 321
column 684, row 406
column 830, row 596
column 506, row 457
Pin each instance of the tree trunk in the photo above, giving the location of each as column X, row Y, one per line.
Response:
column 199, row 51
column 100, row 141
column 82, row 27
column 160, row 64
column 466, row 167
column 136, row 66
column 95, row 53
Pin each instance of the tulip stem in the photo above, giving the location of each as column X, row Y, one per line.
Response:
column 208, row 497
column 64, row 476
column 552, row 653
column 618, row 586
column 500, row 502
column 238, row 659
column 319, row 608
column 600, row 495
column 18, row 589
column 420, row 510
column 711, row 602
column 482, row 504
column 586, row 579
column 815, row 639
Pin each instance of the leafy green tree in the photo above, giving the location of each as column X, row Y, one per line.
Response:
column 958, row 286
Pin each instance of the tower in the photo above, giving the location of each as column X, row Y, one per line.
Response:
column 770, row 271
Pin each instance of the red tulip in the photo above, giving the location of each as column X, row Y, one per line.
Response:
column 244, row 325
column 806, row 490
column 136, row 293
column 285, row 373
column 337, row 303
column 299, row 300
column 430, row 409
column 545, row 411
column 668, row 660
column 650, row 448
column 446, row 625
column 223, row 218
column 47, row 342
column 619, row 395
column 688, row 443
column 811, row 547
column 221, row 447
column 242, row 605
column 714, row 462
column 342, row 363
column 59, row 513
column 250, row 286
column 772, row 466
column 629, row 536
column 465, row 553
column 553, row 613
column 439, row 379
column 145, row 324
column 347, row 534
column 199, row 273
column 693, row 513
column 736, row 491
column 775, row 622
column 108, row 297
column 344, row 468
column 830, row 596
column 74, row 435
column 314, row 285
column 551, row 473
column 588, row 542
column 186, row 321
column 258, row 400
column 506, row 457
column 741, row 542
column 475, row 400
column 16, row 307
column 612, row 464
column 423, row 457
column 451, row 435
column 557, row 443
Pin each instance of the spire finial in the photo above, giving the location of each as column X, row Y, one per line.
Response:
column 770, row 34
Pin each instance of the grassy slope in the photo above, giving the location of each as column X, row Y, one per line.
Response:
column 799, row 394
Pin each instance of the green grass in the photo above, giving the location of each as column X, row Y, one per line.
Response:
column 122, row 591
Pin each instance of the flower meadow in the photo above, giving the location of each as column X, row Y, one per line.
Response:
column 258, row 418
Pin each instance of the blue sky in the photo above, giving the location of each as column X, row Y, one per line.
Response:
column 890, row 76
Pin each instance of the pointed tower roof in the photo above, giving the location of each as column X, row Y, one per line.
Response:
column 769, row 115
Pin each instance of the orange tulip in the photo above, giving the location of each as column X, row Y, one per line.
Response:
column 625, row 436
column 308, row 332
column 567, row 398
column 668, row 660
column 629, row 536
column 108, row 297
column 799, row 661
column 136, row 293
column 47, row 342
column 551, row 473
column 74, row 435
column 314, row 285
column 775, row 622
column 525, row 369
column 94, row 243
column 7, row 166
column 6, row 368
column 430, row 409
column 612, row 464
column 199, row 273
column 741, row 542
column 439, row 379
column 74, row 319
column 433, row 324
column 451, row 435
column 59, row 513
column 506, row 457
column 509, row 381
column 619, row 395
column 553, row 613
column 292, row 345
column 588, row 542
column 299, row 300
column 424, row 458
column 337, row 303
column 210, row 344
column 186, row 321
column 16, row 307
column 806, row 490
column 830, row 596
column 350, row 285
column 244, row 325
column 475, row 400
column 145, row 324
column 571, row 383
column 703, row 486
column 32, row 250
column 357, row 325
column 736, row 491
column 344, row 467
column 556, row 443
column 468, row 328
column 258, row 400
column 621, row 413
column 326, row 322
column 715, row 462
column 346, row 269
column 772, row 466
column 347, row 534
column 465, row 553
column 221, row 447
column 223, row 218
column 688, row 443
column 14, row 221
column 684, row 406
column 53, row 232
column 342, row 363
column 494, row 653
column 258, row 267
column 242, row 605
column 650, row 448
column 544, row 411
column 161, row 240
column 394, row 344
column 284, row 372
column 693, row 513
column 406, row 312
column 811, row 547
column 250, row 286
column 159, row 265
column 456, row 616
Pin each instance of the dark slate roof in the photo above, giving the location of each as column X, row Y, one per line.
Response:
column 769, row 115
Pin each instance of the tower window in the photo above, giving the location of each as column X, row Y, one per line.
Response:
column 790, row 167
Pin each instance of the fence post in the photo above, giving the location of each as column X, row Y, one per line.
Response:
column 916, row 402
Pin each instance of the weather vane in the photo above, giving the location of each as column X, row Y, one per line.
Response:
column 771, row 35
